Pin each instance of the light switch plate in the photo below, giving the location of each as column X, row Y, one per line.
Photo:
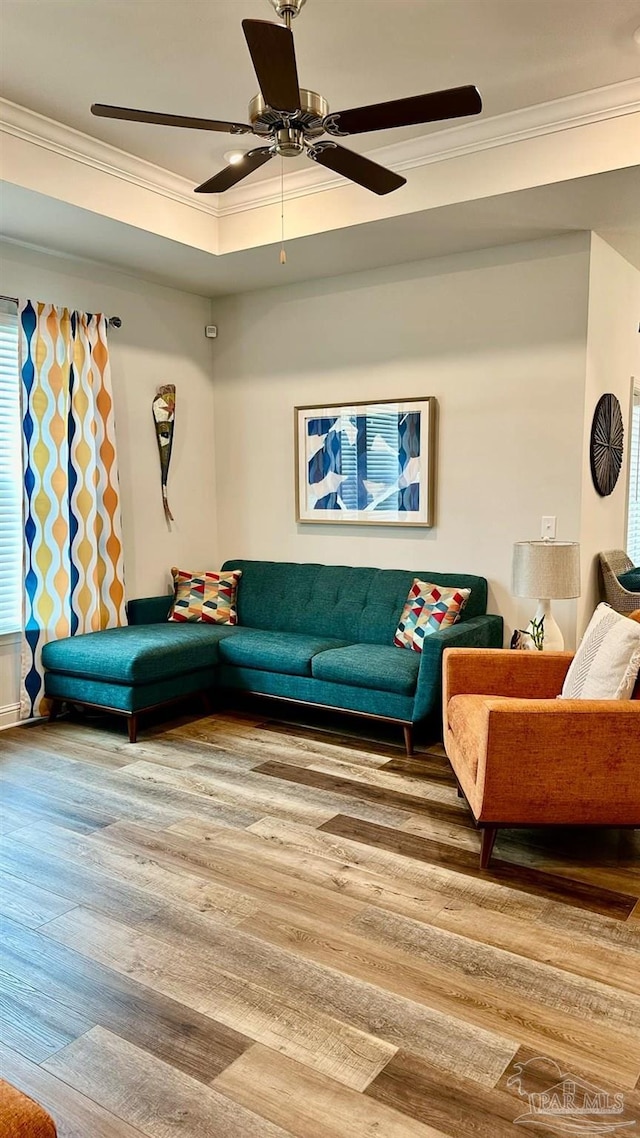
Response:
column 548, row 529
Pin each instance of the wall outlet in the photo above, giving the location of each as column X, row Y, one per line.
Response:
column 548, row 529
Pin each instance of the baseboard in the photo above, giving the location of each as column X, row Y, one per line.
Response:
column 9, row 715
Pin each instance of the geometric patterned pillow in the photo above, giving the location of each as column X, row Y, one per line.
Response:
column 429, row 609
column 206, row 597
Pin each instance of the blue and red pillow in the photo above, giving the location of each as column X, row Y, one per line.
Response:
column 429, row 608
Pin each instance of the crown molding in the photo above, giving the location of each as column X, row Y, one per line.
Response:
column 472, row 137
column 475, row 136
column 20, row 122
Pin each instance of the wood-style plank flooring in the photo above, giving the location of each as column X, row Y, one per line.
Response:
column 238, row 928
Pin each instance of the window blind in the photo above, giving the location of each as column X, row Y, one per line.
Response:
column 633, row 526
column 10, row 479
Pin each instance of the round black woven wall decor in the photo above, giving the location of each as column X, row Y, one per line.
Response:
column 607, row 444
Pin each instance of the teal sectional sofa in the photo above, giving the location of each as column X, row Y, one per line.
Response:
column 312, row 634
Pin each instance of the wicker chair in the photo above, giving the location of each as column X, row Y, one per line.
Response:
column 612, row 563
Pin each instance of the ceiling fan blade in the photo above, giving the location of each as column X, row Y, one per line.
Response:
column 102, row 110
column 274, row 59
column 236, row 171
column 451, row 104
column 356, row 167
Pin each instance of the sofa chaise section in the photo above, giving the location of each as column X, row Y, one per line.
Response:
column 135, row 668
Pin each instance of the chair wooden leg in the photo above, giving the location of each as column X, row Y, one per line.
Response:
column 408, row 738
column 486, row 847
column 132, row 725
column 205, row 701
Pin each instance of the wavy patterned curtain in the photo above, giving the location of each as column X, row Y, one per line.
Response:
column 74, row 578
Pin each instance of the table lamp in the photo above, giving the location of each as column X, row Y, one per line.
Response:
column 548, row 570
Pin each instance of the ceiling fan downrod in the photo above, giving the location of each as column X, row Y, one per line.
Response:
column 288, row 9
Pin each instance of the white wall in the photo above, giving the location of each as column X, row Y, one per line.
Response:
column 613, row 361
column 161, row 341
column 498, row 336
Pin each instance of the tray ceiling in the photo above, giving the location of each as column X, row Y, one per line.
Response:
column 58, row 56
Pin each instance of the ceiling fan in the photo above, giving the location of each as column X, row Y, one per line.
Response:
column 293, row 118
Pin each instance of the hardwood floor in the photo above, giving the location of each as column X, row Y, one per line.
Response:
column 238, row 928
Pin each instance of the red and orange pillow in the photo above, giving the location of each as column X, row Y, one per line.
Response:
column 206, row 597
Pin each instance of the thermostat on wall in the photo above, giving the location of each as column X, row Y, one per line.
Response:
column 211, row 331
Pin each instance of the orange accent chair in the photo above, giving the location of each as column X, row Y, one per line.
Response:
column 522, row 757
column 21, row 1117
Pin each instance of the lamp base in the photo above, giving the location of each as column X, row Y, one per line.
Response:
column 553, row 640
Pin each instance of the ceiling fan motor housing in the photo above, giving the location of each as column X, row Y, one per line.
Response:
column 307, row 122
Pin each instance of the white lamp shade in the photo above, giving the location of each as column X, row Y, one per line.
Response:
column 549, row 569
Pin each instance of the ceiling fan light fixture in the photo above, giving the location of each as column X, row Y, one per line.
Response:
column 233, row 156
column 289, row 142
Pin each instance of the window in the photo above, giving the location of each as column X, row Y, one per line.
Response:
column 633, row 524
column 10, row 478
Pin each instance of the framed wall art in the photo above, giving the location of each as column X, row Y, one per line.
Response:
column 366, row 463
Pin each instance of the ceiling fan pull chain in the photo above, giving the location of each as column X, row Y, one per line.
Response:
column 283, row 252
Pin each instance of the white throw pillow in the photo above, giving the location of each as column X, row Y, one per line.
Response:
column 607, row 662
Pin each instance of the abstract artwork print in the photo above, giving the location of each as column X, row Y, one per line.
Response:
column 366, row 463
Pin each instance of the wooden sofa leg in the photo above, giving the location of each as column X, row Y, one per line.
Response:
column 408, row 738
column 132, row 724
column 54, row 709
column 486, row 847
